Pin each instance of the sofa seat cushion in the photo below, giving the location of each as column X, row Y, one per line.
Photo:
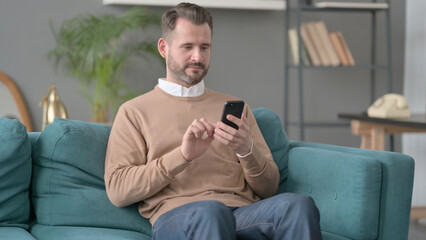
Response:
column 15, row 233
column 68, row 183
column 15, row 174
column 273, row 132
column 42, row 232
column 345, row 187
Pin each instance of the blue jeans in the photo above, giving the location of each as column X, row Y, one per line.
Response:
column 284, row 216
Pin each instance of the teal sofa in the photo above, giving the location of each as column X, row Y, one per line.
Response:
column 52, row 187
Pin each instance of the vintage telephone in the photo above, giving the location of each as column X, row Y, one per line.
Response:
column 390, row 106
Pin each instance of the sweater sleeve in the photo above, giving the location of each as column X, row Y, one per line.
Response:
column 128, row 176
column 260, row 170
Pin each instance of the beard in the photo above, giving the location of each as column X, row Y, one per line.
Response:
column 179, row 71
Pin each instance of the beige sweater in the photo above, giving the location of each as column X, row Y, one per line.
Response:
column 144, row 163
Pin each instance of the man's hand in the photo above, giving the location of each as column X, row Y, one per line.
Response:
column 197, row 139
column 238, row 140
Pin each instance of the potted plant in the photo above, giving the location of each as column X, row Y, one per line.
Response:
column 94, row 50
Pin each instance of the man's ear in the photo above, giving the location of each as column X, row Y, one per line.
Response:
column 163, row 47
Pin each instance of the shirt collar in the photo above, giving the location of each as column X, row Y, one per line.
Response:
column 181, row 91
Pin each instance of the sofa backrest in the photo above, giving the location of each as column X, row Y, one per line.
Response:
column 272, row 130
column 68, row 174
column 15, row 174
column 68, row 179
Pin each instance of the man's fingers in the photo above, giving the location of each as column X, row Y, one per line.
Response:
column 233, row 119
column 244, row 119
column 198, row 127
column 239, row 140
column 197, row 124
column 194, row 141
column 221, row 139
column 209, row 127
column 241, row 123
column 224, row 134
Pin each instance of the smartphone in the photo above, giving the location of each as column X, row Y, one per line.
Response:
column 234, row 108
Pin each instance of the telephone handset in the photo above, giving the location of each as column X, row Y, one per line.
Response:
column 390, row 106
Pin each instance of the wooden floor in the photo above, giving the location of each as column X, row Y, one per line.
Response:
column 417, row 230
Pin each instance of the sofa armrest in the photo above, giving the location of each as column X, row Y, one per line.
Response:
column 396, row 183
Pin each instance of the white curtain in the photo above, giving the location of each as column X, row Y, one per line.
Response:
column 415, row 90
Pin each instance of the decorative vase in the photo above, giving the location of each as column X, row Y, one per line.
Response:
column 52, row 107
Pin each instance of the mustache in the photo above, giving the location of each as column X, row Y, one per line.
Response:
column 195, row 64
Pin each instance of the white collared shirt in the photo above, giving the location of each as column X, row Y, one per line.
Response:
column 177, row 90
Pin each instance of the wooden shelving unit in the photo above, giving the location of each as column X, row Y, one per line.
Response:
column 294, row 11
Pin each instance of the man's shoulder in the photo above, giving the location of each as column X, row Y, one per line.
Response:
column 221, row 96
column 140, row 101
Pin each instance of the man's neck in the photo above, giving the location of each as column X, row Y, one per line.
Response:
column 182, row 83
column 171, row 78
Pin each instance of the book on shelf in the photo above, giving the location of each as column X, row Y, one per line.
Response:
column 359, row 5
column 346, row 49
column 318, row 44
column 294, row 46
column 326, row 43
column 308, row 42
column 339, row 48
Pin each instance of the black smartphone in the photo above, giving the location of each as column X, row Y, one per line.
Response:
column 234, row 108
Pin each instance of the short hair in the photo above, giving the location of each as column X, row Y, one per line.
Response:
column 195, row 14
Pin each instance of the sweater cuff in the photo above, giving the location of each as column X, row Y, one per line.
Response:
column 253, row 163
column 251, row 150
column 174, row 163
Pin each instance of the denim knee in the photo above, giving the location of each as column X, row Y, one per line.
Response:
column 302, row 204
column 308, row 205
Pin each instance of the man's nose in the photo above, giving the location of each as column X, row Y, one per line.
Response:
column 196, row 55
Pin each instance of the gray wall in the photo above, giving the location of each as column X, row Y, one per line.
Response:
column 415, row 90
column 247, row 61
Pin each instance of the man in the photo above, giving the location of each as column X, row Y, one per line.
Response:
column 193, row 176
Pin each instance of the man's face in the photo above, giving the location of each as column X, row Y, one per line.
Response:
column 188, row 53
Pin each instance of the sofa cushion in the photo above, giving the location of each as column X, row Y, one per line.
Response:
column 15, row 174
column 15, row 233
column 68, row 182
column 42, row 232
column 345, row 187
column 276, row 138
